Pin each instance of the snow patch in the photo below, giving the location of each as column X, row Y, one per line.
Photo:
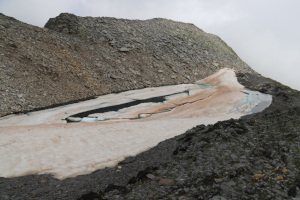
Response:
column 42, row 143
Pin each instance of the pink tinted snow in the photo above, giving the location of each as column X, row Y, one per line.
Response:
column 42, row 143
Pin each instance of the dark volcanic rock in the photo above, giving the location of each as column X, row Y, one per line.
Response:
column 76, row 58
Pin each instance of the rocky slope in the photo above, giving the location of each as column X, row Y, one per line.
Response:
column 75, row 58
column 255, row 157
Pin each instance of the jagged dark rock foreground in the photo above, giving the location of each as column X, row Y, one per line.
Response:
column 255, row 157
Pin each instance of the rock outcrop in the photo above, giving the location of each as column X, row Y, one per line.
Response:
column 75, row 58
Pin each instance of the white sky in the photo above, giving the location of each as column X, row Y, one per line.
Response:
column 264, row 33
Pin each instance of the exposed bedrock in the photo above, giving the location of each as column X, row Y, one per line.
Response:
column 75, row 58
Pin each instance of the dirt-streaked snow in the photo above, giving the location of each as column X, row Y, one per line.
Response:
column 41, row 142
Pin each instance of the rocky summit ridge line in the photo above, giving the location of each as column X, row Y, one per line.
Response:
column 75, row 58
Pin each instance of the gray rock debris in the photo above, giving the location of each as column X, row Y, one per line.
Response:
column 74, row 58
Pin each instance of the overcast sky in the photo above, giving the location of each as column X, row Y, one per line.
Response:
column 264, row 33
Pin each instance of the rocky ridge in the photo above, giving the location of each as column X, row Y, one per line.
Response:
column 75, row 58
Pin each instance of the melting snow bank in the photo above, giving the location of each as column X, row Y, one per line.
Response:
column 41, row 142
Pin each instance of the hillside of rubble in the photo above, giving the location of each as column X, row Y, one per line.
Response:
column 75, row 58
